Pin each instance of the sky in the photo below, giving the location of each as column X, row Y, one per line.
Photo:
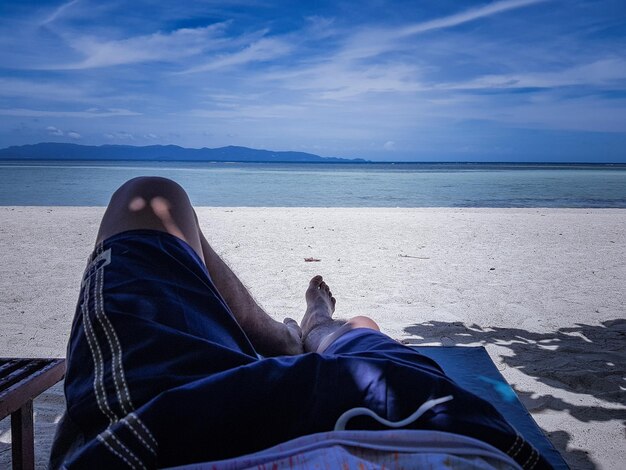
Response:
column 431, row 80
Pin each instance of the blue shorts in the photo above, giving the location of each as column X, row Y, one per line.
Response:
column 159, row 373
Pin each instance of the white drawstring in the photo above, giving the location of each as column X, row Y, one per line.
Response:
column 340, row 425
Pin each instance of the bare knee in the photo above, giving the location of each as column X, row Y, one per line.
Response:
column 150, row 197
column 154, row 203
column 141, row 190
column 363, row 322
column 354, row 322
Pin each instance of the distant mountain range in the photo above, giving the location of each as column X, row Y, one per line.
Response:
column 60, row 151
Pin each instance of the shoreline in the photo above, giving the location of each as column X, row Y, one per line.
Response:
column 540, row 288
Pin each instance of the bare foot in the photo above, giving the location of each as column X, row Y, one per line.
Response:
column 273, row 338
column 317, row 322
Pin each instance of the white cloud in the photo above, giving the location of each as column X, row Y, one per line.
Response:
column 148, row 48
column 264, row 49
column 466, row 16
column 320, row 27
column 336, row 83
column 338, row 80
column 58, row 132
column 20, row 88
column 58, row 12
column 77, row 114
column 259, row 46
column 120, row 135
column 598, row 73
column 389, row 145
column 54, row 130
column 349, row 72
column 266, row 111
column 368, row 42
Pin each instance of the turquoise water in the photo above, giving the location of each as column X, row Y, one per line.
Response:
column 324, row 185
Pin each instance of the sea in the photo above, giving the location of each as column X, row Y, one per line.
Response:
column 76, row 183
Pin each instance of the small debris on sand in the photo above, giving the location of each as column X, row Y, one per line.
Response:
column 312, row 260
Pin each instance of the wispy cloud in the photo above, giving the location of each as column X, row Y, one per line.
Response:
column 252, row 112
column 58, row 12
column 89, row 113
column 346, row 73
column 159, row 46
column 603, row 72
column 413, row 77
column 29, row 89
column 473, row 14
column 337, row 80
column 264, row 49
column 372, row 41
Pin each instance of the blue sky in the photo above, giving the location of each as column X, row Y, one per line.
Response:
column 437, row 80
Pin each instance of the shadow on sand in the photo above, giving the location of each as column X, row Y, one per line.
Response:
column 584, row 359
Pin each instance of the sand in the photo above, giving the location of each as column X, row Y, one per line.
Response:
column 541, row 289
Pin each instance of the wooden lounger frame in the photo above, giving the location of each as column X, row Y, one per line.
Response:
column 21, row 380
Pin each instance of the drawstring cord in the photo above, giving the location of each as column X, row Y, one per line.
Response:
column 341, row 423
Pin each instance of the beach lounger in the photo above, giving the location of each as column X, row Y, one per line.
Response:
column 21, row 380
column 473, row 369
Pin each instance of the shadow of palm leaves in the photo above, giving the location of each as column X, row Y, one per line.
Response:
column 589, row 359
column 584, row 359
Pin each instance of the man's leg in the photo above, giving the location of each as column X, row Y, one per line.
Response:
column 319, row 329
column 161, row 204
column 269, row 337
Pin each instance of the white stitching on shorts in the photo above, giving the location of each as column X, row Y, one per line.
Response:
column 127, row 422
column 98, row 382
column 517, row 446
column 114, row 452
column 154, row 441
column 517, row 437
column 116, row 351
column 535, row 460
column 129, row 452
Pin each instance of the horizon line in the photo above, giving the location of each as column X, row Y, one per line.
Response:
column 344, row 160
column 288, row 162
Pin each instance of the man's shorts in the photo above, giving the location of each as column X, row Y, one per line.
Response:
column 159, row 373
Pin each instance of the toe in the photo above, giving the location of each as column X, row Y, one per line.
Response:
column 293, row 325
column 316, row 281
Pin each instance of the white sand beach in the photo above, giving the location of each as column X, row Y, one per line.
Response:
column 541, row 289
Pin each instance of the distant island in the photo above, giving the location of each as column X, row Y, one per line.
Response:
column 61, row 151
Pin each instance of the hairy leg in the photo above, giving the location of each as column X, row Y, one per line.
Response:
column 319, row 329
column 161, row 204
column 269, row 337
